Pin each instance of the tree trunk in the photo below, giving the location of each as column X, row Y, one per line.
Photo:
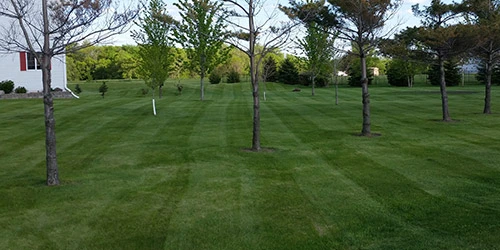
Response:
column 254, row 80
column 487, row 89
column 202, row 77
column 202, row 87
column 366, row 131
column 256, row 106
column 444, row 94
column 48, row 103
column 313, row 85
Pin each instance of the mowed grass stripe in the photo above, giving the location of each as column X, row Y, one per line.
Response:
column 183, row 179
column 374, row 168
column 371, row 209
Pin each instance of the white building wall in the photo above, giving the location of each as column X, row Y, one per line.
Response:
column 10, row 65
column 10, row 69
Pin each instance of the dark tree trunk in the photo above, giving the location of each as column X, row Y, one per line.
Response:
column 444, row 93
column 487, row 89
column 50, row 121
column 313, row 85
column 366, row 131
column 255, row 81
column 202, row 77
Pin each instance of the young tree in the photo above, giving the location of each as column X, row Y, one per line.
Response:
column 246, row 37
column 46, row 29
column 155, row 45
column 485, row 16
column 202, row 32
column 442, row 40
column 317, row 45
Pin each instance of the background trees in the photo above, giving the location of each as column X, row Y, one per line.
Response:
column 485, row 16
column 49, row 28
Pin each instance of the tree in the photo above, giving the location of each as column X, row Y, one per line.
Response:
column 55, row 28
column 442, row 40
column 153, row 39
column 246, row 37
column 103, row 89
column 288, row 73
column 485, row 16
column 317, row 45
column 361, row 22
column 202, row 32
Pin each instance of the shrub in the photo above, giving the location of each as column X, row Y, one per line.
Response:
column 20, row 90
column 7, row 86
column 233, row 76
column 397, row 73
column 179, row 88
column 78, row 90
column 215, row 78
column 103, row 89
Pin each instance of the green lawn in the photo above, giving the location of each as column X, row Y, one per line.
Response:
column 182, row 179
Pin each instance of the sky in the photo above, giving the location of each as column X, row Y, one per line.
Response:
column 404, row 17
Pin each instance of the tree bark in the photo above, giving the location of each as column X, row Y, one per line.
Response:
column 313, row 85
column 254, row 80
column 487, row 89
column 50, row 122
column 444, row 94
column 366, row 131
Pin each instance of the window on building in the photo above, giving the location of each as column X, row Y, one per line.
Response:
column 32, row 63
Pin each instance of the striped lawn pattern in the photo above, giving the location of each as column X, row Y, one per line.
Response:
column 183, row 179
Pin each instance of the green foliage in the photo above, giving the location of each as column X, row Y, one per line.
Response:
column 155, row 44
column 354, row 71
column 451, row 73
column 20, row 90
column 103, row 89
column 7, row 86
column 305, row 78
column 233, row 76
column 288, row 73
column 495, row 76
column 78, row 90
column 202, row 33
column 215, row 77
column 103, row 62
column 398, row 73
column 318, row 46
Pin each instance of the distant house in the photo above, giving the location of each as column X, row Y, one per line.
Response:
column 374, row 70
column 21, row 66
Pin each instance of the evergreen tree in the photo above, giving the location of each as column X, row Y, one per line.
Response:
column 288, row 73
column 451, row 74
